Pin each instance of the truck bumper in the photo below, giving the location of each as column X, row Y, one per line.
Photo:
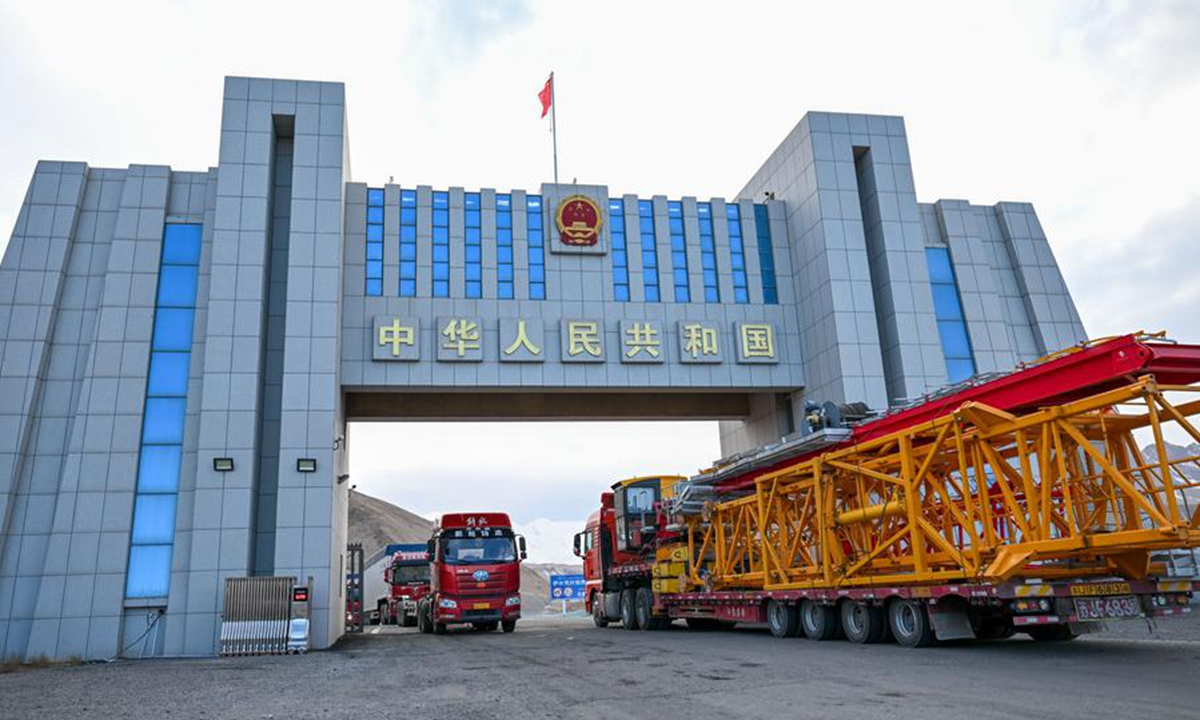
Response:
column 477, row 610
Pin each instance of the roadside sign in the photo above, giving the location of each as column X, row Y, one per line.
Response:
column 566, row 587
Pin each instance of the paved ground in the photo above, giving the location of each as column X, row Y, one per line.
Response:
column 565, row 668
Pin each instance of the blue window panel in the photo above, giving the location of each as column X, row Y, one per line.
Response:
column 740, row 295
column 766, row 256
column 158, row 468
column 474, row 235
column 504, row 272
column 163, row 423
column 441, row 272
column 374, row 233
column 504, row 256
column 471, row 219
column 374, row 287
column 537, row 256
column 374, row 196
column 441, row 288
column 646, row 225
column 710, row 277
column 959, row 369
column 408, row 198
column 474, row 289
column 168, row 374
column 408, row 233
column 375, row 215
column 177, row 286
column 441, row 218
column 374, row 268
column 474, row 254
column 733, row 212
column 173, row 329
column 408, row 216
column 441, row 254
column 154, row 519
column 737, row 262
column 621, row 275
column 649, row 259
column 681, row 294
column 473, row 272
column 408, row 270
column 504, row 236
column 676, row 225
column 940, row 269
column 471, row 200
column 408, row 288
column 504, row 289
column 681, row 277
column 181, row 244
column 374, row 251
column 503, row 221
column 149, row 574
column 954, row 339
column 711, row 295
column 621, row 293
column 537, row 291
column 770, row 295
column 441, row 235
column 441, row 199
column 945, row 302
column 537, row 273
column 651, row 292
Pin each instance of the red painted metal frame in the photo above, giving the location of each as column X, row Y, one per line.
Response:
column 1072, row 376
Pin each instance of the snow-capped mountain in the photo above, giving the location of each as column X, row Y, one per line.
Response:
column 550, row 541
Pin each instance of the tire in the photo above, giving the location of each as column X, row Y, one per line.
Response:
column 402, row 618
column 646, row 619
column 383, row 613
column 629, row 609
column 1051, row 633
column 820, row 622
column 910, row 623
column 863, row 623
column 508, row 626
column 439, row 628
column 598, row 616
column 783, row 619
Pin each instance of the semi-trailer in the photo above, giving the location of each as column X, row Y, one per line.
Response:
column 406, row 576
column 1011, row 503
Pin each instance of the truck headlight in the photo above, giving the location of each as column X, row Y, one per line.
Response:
column 514, row 600
column 447, row 603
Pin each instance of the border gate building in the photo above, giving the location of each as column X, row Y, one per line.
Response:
column 181, row 351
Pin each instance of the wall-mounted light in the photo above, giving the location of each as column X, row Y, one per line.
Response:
column 306, row 465
column 223, row 464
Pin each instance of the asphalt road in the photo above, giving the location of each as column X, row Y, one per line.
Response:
column 565, row 668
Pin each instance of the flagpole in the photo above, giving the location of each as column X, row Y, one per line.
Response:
column 554, row 124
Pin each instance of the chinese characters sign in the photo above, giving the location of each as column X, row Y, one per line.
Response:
column 519, row 340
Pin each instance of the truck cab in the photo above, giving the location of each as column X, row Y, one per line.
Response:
column 407, row 580
column 475, row 573
column 617, row 548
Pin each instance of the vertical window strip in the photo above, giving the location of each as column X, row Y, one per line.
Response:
column 474, row 246
column 441, row 244
column 160, row 456
column 536, row 234
column 766, row 257
column 504, row 247
column 737, row 254
column 679, row 264
column 374, row 266
column 708, row 253
column 649, row 250
column 408, row 243
column 620, row 252
column 947, row 308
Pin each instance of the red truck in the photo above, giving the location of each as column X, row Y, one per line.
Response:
column 407, row 579
column 475, row 572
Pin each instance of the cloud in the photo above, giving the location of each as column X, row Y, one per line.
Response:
column 1146, row 280
column 457, row 31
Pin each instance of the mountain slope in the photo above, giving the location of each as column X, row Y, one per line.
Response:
column 375, row 523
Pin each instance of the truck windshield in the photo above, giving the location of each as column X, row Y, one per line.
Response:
column 410, row 574
column 478, row 550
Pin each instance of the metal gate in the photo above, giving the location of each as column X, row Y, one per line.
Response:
column 256, row 615
column 354, row 588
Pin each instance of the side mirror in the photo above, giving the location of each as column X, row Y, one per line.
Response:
column 578, row 537
column 430, row 550
column 521, row 545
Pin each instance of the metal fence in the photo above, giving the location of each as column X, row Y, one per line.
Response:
column 256, row 614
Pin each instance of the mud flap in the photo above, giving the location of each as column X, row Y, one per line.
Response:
column 950, row 621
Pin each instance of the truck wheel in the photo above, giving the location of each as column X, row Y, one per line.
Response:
column 423, row 618
column 1051, row 633
column 910, row 623
column 439, row 628
column 863, row 623
column 629, row 609
column 644, row 609
column 383, row 613
column 598, row 616
column 820, row 622
column 783, row 619
column 402, row 618
column 508, row 625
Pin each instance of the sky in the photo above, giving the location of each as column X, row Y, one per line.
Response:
column 1086, row 109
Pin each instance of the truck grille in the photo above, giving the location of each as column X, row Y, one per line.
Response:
column 494, row 585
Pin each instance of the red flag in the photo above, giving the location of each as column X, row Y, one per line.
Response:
column 547, row 95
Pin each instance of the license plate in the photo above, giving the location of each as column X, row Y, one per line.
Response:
column 480, row 606
column 1100, row 608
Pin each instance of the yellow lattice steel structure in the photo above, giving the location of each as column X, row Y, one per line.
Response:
column 977, row 495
